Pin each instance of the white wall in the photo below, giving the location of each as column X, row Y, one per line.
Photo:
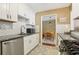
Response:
column 74, row 13
column 76, row 23
column 61, row 28
column 75, row 10
column 25, row 10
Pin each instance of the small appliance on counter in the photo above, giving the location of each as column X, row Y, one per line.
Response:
column 28, row 29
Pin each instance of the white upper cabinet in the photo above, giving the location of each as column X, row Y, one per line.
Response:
column 8, row 12
column 3, row 11
column 22, row 10
column 27, row 12
column 32, row 18
column 13, row 11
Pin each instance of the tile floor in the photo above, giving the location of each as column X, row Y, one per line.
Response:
column 49, row 41
column 45, row 50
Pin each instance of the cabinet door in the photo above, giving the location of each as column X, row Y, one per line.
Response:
column 36, row 40
column 13, row 12
column 27, row 45
column 8, row 12
column 33, row 41
column 22, row 10
column 0, row 11
column 32, row 18
column 6, row 50
column 3, row 11
column 30, row 42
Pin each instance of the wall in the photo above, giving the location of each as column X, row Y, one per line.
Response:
column 25, row 10
column 60, row 12
column 74, row 14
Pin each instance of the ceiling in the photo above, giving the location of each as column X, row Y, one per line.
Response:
column 37, row 7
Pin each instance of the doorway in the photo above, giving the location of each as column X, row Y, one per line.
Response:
column 48, row 29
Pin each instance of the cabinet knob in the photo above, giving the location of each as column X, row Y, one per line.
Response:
column 5, row 43
column 10, row 16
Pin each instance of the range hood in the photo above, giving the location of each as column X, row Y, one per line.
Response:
column 77, row 18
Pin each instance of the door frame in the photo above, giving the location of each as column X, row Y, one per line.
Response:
column 55, row 27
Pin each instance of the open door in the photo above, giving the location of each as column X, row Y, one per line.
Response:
column 49, row 30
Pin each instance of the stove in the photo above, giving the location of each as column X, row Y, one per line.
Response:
column 69, row 47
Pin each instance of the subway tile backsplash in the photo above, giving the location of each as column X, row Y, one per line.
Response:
column 5, row 25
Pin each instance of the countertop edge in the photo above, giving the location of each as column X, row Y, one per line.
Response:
column 15, row 37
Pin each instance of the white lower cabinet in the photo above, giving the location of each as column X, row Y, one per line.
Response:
column 20, row 46
column 30, row 42
column 26, row 44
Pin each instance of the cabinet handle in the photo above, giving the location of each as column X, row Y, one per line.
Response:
column 7, row 16
column 10, row 16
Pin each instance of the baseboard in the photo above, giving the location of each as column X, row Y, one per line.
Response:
column 49, row 44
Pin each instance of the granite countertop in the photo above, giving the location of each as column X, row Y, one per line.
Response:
column 66, row 36
column 11, row 37
column 28, row 34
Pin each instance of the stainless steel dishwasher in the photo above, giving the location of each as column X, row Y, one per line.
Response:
column 13, row 47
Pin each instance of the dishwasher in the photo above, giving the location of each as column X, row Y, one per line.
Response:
column 13, row 47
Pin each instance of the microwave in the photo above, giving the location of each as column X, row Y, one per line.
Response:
column 30, row 30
